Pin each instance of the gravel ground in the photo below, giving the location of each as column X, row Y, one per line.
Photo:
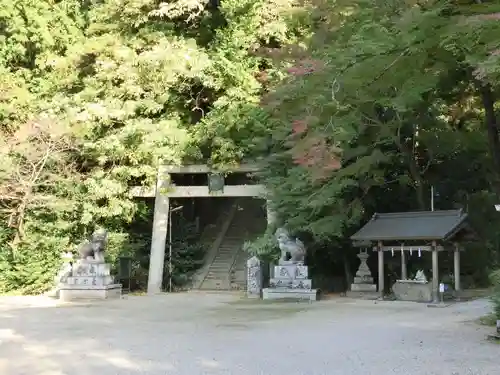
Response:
column 197, row 333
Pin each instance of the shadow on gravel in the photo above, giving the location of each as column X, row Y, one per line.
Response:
column 245, row 312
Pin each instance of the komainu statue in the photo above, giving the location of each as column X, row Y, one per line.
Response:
column 292, row 251
column 94, row 247
column 420, row 276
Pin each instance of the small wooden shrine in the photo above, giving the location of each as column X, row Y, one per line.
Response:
column 424, row 231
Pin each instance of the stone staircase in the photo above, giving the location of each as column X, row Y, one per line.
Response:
column 228, row 268
column 212, row 237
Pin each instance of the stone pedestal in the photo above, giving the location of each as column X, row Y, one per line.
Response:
column 89, row 279
column 290, row 281
column 254, row 277
column 363, row 286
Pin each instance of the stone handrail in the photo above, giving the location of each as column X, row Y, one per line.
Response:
column 233, row 261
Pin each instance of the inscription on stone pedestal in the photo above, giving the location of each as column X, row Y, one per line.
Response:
column 301, row 272
column 254, row 277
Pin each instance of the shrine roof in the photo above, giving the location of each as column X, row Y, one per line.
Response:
column 422, row 225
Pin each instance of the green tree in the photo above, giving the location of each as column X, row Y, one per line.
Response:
column 132, row 83
column 389, row 99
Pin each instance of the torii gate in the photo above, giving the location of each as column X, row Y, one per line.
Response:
column 162, row 193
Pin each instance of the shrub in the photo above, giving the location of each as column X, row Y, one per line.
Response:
column 265, row 247
column 495, row 280
column 187, row 255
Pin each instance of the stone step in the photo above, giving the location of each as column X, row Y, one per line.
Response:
column 223, row 258
column 219, row 268
column 239, row 282
column 220, row 275
column 216, row 277
column 237, row 286
column 215, row 285
column 222, row 261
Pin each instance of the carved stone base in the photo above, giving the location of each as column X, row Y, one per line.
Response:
column 290, row 281
column 291, row 284
column 290, row 271
column 363, row 288
column 89, row 279
column 363, row 280
column 84, row 292
column 289, row 294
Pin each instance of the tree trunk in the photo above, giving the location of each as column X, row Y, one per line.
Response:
column 419, row 183
column 414, row 172
column 491, row 123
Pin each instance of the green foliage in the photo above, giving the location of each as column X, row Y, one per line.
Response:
column 264, row 247
column 389, row 99
column 372, row 113
column 91, row 107
column 495, row 281
column 187, row 256
column 353, row 106
column 30, row 267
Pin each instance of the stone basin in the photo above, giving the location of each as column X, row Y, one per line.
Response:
column 413, row 290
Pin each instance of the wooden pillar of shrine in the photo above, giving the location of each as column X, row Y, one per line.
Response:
column 435, row 272
column 456, row 267
column 381, row 274
column 404, row 271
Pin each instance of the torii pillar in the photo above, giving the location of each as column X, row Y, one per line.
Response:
column 159, row 236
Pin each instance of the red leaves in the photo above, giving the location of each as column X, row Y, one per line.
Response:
column 492, row 16
column 304, row 67
column 485, row 17
column 299, row 127
column 317, row 155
